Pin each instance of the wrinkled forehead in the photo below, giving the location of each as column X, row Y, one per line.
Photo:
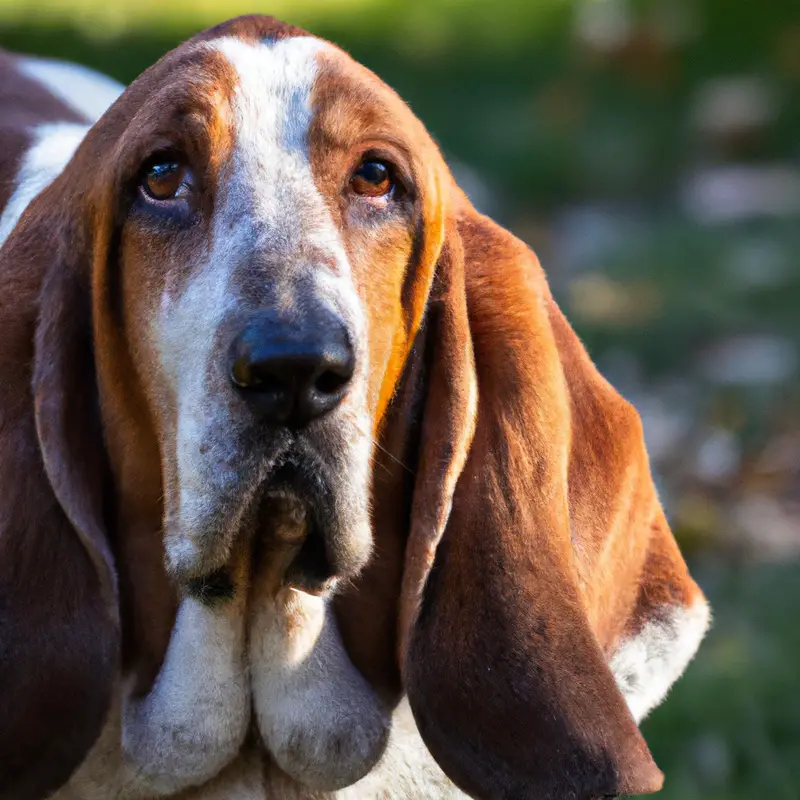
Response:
column 233, row 89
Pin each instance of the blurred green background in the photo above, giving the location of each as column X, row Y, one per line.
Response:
column 650, row 153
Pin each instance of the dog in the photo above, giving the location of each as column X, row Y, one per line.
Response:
column 308, row 487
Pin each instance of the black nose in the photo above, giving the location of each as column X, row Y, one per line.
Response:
column 290, row 373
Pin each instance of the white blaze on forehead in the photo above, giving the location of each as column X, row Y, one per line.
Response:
column 272, row 99
column 272, row 176
column 271, row 170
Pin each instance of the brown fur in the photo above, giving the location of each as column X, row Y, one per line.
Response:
column 58, row 615
column 517, row 540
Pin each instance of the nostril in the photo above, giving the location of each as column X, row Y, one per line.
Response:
column 248, row 375
column 330, row 382
column 258, row 382
column 241, row 373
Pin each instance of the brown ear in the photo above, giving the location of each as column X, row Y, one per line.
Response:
column 506, row 678
column 58, row 615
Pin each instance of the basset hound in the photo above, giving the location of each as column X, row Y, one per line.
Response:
column 307, row 487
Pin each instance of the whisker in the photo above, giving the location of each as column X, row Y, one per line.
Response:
column 358, row 423
column 393, row 457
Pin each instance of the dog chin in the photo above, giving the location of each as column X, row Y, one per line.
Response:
column 296, row 506
column 301, row 508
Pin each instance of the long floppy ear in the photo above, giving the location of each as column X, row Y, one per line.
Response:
column 503, row 616
column 58, row 612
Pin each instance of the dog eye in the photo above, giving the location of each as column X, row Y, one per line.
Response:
column 372, row 179
column 166, row 179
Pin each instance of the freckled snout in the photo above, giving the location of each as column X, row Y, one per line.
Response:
column 291, row 371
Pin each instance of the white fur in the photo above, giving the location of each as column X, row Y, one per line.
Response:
column 406, row 771
column 646, row 665
column 272, row 169
column 193, row 722
column 88, row 92
column 184, row 333
column 318, row 717
column 53, row 146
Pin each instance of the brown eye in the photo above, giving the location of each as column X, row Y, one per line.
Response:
column 165, row 180
column 372, row 179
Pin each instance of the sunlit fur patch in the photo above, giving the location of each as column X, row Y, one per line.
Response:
column 646, row 665
column 393, row 253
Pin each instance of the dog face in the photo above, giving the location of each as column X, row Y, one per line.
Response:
column 275, row 205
